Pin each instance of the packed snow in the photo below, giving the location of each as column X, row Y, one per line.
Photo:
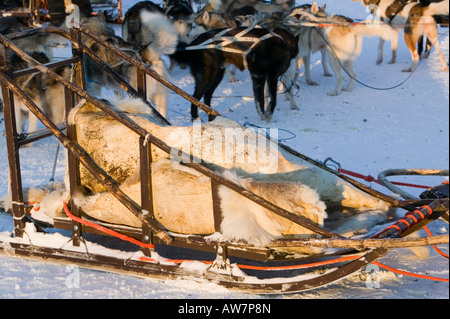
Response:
column 366, row 131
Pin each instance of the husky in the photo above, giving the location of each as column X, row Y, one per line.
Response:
column 261, row 6
column 343, row 42
column 178, row 9
column 421, row 21
column 209, row 20
column 131, row 26
column 43, row 90
column 158, row 38
column 267, row 55
column 309, row 40
column 396, row 14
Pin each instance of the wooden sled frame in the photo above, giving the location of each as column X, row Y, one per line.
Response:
column 368, row 250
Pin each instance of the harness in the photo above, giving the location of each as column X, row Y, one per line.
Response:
column 221, row 42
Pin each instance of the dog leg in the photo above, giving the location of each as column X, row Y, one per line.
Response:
column 20, row 112
column 326, row 72
column 432, row 34
column 160, row 102
column 299, row 66
column 212, row 87
column 351, row 83
column 307, row 61
column 288, row 81
column 394, row 46
column 411, row 40
column 32, row 122
column 272, row 86
column 200, row 89
column 426, row 54
column 337, row 73
column 258, row 91
column 230, row 71
column 380, row 51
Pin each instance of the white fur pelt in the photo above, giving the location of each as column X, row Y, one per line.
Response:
column 48, row 198
column 244, row 220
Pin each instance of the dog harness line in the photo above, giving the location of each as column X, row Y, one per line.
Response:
column 226, row 40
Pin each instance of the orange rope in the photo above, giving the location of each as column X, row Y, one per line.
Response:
column 406, row 273
column 105, row 230
column 440, row 252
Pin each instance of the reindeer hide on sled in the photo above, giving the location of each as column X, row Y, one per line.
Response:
column 182, row 197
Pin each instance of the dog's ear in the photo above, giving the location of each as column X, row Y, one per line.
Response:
column 206, row 17
column 324, row 8
column 315, row 8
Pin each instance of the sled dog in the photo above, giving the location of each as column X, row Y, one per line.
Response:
column 397, row 14
column 178, row 9
column 394, row 13
column 160, row 38
column 44, row 91
column 266, row 54
column 131, row 26
column 261, row 6
column 420, row 22
column 342, row 41
column 309, row 40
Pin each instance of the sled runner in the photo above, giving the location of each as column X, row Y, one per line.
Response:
column 308, row 254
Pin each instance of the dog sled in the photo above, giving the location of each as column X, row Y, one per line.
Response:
column 36, row 11
column 293, row 262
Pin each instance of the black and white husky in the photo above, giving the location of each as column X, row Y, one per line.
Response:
column 266, row 54
column 146, row 25
column 43, row 90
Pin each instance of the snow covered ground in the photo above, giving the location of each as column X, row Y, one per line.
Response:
column 366, row 130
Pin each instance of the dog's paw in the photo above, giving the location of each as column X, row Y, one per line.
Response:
column 312, row 83
column 267, row 116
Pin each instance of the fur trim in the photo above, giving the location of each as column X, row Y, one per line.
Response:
column 247, row 221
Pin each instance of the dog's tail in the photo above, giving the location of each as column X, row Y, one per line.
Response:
column 160, row 31
column 370, row 29
column 440, row 8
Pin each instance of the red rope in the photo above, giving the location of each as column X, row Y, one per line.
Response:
column 410, row 274
column 440, row 252
column 369, row 178
column 104, row 229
